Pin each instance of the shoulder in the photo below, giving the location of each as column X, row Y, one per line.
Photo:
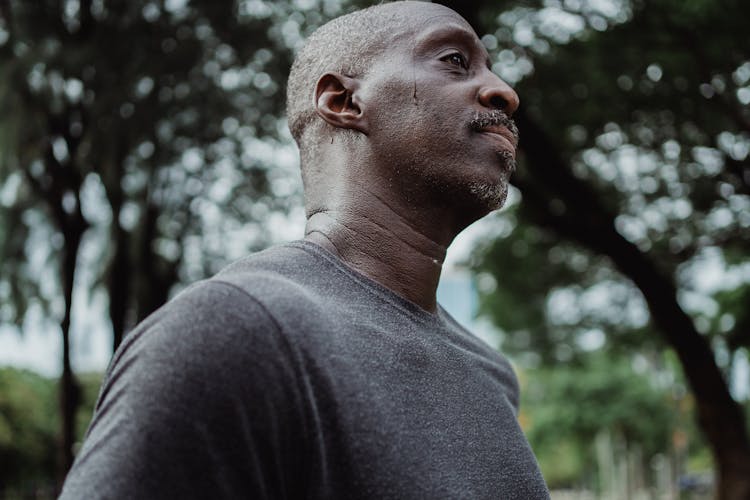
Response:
column 211, row 337
column 202, row 320
column 189, row 399
column 243, row 315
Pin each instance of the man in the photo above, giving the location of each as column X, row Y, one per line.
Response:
column 324, row 368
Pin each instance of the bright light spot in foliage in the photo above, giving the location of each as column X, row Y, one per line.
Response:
column 654, row 72
column 489, row 41
column 60, row 149
column 144, row 86
column 174, row 5
column 742, row 74
column 591, row 340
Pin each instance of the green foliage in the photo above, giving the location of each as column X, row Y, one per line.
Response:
column 550, row 297
column 29, row 422
column 564, row 409
column 563, row 465
column 158, row 128
column 154, row 128
column 647, row 106
column 608, row 394
column 733, row 316
column 90, row 384
column 634, row 196
column 27, row 427
column 651, row 118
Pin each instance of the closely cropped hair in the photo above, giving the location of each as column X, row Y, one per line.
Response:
column 345, row 45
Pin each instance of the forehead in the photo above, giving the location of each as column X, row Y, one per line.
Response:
column 423, row 15
column 425, row 22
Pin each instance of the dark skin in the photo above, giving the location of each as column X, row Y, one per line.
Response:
column 389, row 203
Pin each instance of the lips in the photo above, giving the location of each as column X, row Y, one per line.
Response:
column 496, row 122
column 503, row 132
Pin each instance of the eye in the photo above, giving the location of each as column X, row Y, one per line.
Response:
column 456, row 59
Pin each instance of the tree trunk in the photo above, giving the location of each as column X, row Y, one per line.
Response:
column 69, row 388
column 118, row 279
column 61, row 190
column 137, row 270
column 587, row 221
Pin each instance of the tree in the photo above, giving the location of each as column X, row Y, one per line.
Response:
column 131, row 123
column 90, row 113
column 634, row 166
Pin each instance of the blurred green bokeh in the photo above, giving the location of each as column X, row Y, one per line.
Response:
column 143, row 146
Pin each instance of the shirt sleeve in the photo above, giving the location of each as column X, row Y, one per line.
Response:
column 200, row 401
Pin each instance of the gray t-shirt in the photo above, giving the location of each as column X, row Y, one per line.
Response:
column 289, row 375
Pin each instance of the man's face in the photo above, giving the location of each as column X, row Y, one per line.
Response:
column 436, row 118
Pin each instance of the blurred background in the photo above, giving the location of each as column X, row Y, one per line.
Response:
column 143, row 146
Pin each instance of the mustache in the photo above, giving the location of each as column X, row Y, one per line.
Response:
column 481, row 121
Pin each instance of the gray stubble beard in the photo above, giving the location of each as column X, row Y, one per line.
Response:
column 494, row 195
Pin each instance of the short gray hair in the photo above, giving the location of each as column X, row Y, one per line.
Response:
column 346, row 45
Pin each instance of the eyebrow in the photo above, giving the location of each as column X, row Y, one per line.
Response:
column 450, row 32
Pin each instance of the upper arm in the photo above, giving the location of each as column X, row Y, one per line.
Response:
column 202, row 399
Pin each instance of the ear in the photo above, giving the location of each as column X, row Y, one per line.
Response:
column 338, row 103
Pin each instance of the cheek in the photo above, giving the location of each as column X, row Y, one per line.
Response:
column 445, row 115
column 426, row 125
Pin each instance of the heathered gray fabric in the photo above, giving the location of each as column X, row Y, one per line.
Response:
column 288, row 375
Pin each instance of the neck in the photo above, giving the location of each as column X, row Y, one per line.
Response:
column 373, row 239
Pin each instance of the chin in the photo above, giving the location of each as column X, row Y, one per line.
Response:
column 491, row 192
column 490, row 196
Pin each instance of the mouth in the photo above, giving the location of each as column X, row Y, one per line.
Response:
column 502, row 133
column 499, row 125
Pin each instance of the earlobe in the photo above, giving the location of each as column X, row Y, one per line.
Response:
column 337, row 102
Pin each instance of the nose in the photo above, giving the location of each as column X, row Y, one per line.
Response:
column 496, row 94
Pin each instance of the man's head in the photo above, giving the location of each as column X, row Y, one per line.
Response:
column 402, row 93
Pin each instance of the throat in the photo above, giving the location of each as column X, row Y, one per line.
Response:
column 389, row 251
